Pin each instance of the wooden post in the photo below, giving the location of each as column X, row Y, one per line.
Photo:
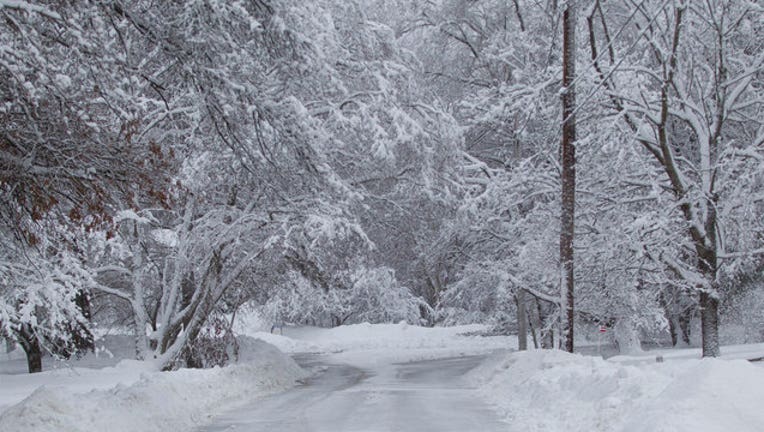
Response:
column 568, row 178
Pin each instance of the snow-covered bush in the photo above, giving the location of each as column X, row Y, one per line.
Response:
column 214, row 345
column 370, row 295
column 376, row 296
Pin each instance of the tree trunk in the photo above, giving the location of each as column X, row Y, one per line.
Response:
column 31, row 346
column 678, row 315
column 534, row 322
column 546, row 327
column 685, row 321
column 568, row 163
column 668, row 313
column 709, row 303
column 34, row 356
column 522, row 321
column 83, row 338
column 709, row 323
column 672, row 327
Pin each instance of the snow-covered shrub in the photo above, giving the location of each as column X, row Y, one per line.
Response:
column 367, row 295
column 215, row 345
column 376, row 296
column 481, row 295
column 296, row 301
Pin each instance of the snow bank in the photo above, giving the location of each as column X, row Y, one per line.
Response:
column 17, row 386
column 711, row 395
column 557, row 391
column 360, row 344
column 158, row 401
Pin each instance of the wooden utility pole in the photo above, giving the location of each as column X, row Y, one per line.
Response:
column 568, row 177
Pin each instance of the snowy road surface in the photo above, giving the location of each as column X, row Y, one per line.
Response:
column 420, row 396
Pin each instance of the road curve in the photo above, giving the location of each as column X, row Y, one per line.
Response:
column 421, row 396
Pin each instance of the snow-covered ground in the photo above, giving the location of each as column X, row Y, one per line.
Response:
column 557, row 391
column 535, row 390
column 368, row 345
column 729, row 352
column 111, row 392
column 133, row 396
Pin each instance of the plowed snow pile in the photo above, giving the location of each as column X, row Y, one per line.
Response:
column 158, row 401
column 556, row 391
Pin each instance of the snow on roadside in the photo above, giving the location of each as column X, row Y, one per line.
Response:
column 556, row 391
column 711, row 395
column 366, row 345
column 16, row 387
column 158, row 401
column 729, row 352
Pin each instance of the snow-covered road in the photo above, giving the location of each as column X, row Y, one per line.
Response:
column 420, row 396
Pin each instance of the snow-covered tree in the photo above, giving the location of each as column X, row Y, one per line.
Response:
column 66, row 157
column 693, row 100
column 43, row 305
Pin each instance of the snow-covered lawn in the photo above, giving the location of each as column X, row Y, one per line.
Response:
column 556, row 391
column 132, row 396
column 367, row 345
column 729, row 352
